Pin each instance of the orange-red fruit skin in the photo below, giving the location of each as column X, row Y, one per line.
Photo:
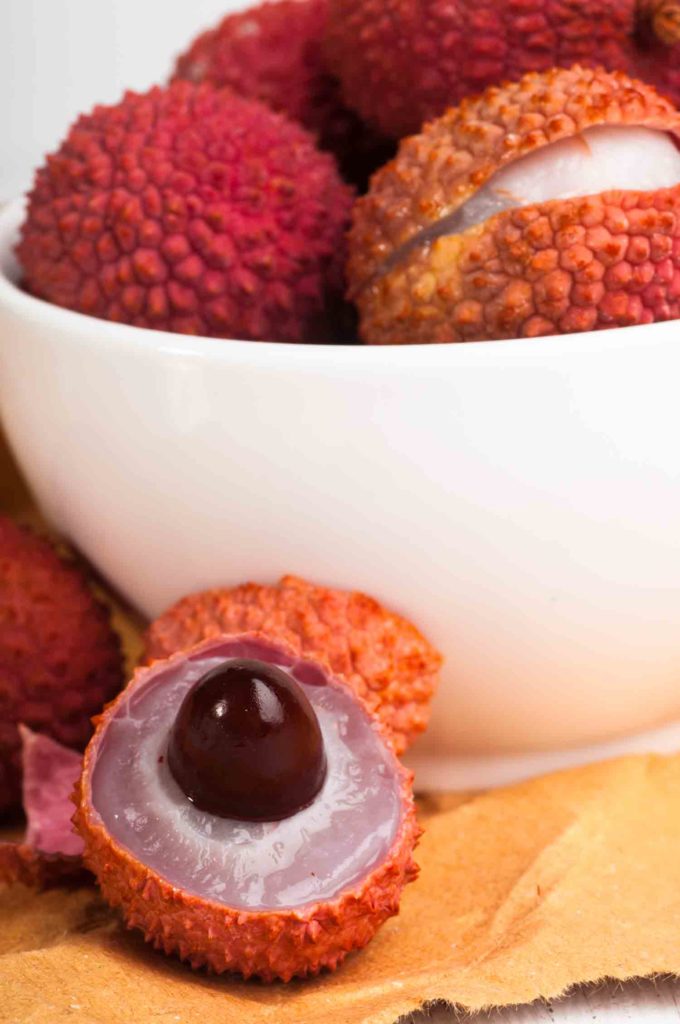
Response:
column 271, row 945
column 191, row 210
column 24, row 865
column 273, row 53
column 611, row 260
column 402, row 62
column 60, row 660
column 384, row 658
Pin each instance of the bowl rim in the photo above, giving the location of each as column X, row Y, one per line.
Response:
column 80, row 326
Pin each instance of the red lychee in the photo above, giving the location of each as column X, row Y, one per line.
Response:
column 193, row 210
column 60, row 661
column 546, row 206
column 404, row 61
column 279, row 898
column 273, row 53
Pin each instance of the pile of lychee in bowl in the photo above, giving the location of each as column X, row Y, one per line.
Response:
column 517, row 499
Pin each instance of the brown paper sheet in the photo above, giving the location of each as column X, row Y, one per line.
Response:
column 524, row 893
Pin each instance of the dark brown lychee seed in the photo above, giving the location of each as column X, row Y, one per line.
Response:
column 246, row 743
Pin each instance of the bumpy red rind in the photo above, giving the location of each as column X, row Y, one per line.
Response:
column 383, row 657
column 60, row 659
column 402, row 62
column 193, row 210
column 611, row 260
column 273, row 53
column 268, row 944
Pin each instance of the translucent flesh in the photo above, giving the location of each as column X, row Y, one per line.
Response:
column 603, row 159
column 311, row 856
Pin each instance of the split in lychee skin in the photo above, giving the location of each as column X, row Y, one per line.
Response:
column 381, row 655
column 548, row 206
column 50, row 852
column 403, row 62
column 273, row 899
column 192, row 210
column 273, row 53
column 60, row 659
column 246, row 743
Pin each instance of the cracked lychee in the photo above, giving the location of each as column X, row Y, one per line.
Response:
column 193, row 210
column 402, row 62
column 273, row 52
column 60, row 660
column 382, row 655
column 221, row 887
column 547, row 206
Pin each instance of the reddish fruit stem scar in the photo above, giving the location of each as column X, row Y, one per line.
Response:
column 664, row 17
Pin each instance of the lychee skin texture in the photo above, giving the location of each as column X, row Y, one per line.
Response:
column 269, row 944
column 50, row 853
column 273, row 53
column 610, row 260
column 60, row 660
column 384, row 658
column 192, row 210
column 402, row 62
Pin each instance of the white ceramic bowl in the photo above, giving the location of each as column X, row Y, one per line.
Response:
column 519, row 500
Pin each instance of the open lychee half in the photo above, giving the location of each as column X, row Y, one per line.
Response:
column 546, row 206
column 218, row 838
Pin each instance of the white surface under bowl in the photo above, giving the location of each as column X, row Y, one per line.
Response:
column 520, row 501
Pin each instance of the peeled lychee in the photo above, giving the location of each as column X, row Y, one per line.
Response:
column 50, row 852
column 547, row 206
column 273, row 53
column 273, row 898
column 60, row 660
column 193, row 210
column 402, row 62
column 385, row 659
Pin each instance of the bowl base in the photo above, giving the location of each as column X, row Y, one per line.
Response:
column 449, row 774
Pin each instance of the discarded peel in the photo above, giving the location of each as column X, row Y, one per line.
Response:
column 50, row 852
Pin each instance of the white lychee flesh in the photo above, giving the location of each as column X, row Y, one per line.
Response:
column 312, row 856
column 605, row 158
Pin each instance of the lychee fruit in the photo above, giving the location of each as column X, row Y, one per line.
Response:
column 60, row 660
column 548, row 206
column 402, row 62
column 382, row 656
column 51, row 851
column 193, row 210
column 274, row 53
column 245, row 811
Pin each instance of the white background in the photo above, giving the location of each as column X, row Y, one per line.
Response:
column 60, row 57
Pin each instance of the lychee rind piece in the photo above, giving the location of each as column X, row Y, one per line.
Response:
column 60, row 660
column 580, row 263
column 383, row 656
column 402, row 62
column 273, row 53
column 50, row 852
column 274, row 943
column 192, row 210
